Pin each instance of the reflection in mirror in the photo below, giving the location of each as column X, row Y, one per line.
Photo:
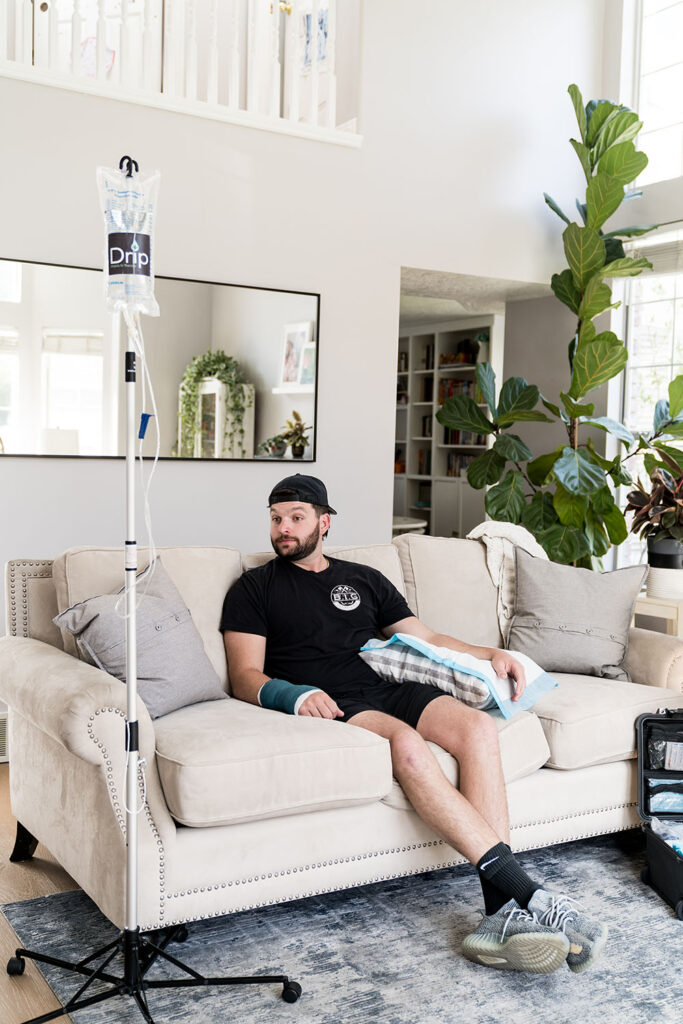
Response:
column 234, row 368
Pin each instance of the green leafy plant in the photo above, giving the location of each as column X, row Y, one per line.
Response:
column 295, row 431
column 563, row 497
column 658, row 508
column 212, row 365
column 271, row 444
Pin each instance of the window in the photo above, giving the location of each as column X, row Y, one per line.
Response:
column 654, row 338
column 9, row 388
column 73, row 401
column 660, row 91
column 10, row 281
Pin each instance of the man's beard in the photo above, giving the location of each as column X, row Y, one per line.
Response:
column 296, row 550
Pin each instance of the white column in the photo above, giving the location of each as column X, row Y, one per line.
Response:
column 331, row 113
column 101, row 41
column 191, row 51
column 52, row 37
column 235, row 57
column 124, row 47
column 76, row 33
column 293, row 62
column 275, row 63
column 212, row 67
column 149, row 80
column 315, row 78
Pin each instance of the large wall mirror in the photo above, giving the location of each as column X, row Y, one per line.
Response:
column 249, row 394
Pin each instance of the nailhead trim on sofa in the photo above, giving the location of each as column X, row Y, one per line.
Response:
column 19, row 573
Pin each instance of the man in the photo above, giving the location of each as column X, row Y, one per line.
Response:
column 293, row 628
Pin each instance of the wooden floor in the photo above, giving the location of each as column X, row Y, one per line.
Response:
column 29, row 995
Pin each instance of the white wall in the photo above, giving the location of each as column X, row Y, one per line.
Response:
column 465, row 117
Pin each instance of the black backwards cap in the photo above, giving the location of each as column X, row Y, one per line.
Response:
column 300, row 487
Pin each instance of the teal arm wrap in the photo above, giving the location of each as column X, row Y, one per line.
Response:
column 279, row 695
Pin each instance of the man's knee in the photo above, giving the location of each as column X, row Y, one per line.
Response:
column 482, row 731
column 408, row 749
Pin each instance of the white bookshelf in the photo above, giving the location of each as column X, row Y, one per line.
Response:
column 433, row 485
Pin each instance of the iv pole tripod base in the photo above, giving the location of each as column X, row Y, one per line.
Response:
column 139, row 953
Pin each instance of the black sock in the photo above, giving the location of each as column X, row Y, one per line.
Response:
column 500, row 869
column 494, row 899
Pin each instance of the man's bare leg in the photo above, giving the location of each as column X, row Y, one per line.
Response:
column 443, row 808
column 472, row 738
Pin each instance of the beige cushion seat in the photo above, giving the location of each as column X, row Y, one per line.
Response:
column 226, row 761
column 523, row 749
column 590, row 721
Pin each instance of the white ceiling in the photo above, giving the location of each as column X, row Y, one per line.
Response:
column 430, row 296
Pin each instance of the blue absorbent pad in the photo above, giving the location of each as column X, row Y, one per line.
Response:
column 538, row 681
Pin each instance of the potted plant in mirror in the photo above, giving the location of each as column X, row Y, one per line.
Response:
column 275, row 446
column 296, row 432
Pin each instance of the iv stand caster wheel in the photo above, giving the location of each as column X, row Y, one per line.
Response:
column 679, row 910
column 17, row 965
column 291, row 991
column 645, row 875
column 182, row 935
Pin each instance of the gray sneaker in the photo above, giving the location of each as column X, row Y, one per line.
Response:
column 587, row 937
column 513, row 939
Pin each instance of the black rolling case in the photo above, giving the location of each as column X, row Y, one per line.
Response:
column 660, row 795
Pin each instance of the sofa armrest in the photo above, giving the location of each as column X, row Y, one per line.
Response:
column 60, row 695
column 655, row 659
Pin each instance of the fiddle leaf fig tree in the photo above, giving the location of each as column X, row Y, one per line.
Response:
column 564, row 497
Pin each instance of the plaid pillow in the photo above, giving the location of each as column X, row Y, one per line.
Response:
column 401, row 664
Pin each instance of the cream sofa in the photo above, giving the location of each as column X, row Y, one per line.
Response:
column 247, row 807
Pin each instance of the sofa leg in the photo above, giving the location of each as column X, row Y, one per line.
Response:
column 24, row 846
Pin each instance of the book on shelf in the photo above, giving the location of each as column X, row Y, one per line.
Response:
column 452, row 436
column 427, row 389
column 457, row 463
column 449, row 387
column 424, row 461
column 426, row 426
column 427, row 359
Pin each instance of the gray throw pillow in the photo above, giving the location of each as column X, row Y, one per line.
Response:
column 172, row 666
column 574, row 620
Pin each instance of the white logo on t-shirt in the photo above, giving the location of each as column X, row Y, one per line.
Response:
column 345, row 598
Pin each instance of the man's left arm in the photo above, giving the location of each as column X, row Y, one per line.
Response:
column 502, row 661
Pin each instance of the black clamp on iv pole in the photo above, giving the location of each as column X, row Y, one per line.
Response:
column 138, row 951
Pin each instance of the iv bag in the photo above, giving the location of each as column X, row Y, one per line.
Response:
column 129, row 207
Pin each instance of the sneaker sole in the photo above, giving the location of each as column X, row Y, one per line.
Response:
column 536, row 952
column 596, row 952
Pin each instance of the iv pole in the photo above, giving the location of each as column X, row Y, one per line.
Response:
column 138, row 951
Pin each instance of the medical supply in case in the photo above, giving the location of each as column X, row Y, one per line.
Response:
column 660, row 802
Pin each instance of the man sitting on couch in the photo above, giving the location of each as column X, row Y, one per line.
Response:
column 293, row 628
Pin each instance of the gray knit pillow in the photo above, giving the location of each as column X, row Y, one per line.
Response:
column 172, row 666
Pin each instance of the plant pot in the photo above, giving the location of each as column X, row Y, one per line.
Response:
column 665, row 558
column 298, row 451
column 278, row 451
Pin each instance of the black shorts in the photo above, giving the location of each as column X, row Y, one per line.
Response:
column 405, row 701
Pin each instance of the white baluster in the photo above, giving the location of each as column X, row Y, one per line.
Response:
column 191, row 52
column 332, row 64
column 101, row 41
column 275, row 64
column 235, row 57
column 147, row 49
column 3, row 30
column 170, row 64
column 293, row 62
column 52, row 36
column 26, row 44
column 252, row 55
column 76, row 31
column 212, row 68
column 315, row 74
column 124, row 45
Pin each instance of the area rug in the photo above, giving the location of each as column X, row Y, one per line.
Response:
column 389, row 953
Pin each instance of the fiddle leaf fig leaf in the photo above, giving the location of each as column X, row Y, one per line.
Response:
column 564, row 543
column 603, row 196
column 486, row 382
column 673, row 430
column 595, row 364
column 584, row 155
column 540, row 513
column 597, row 113
column 462, row 413
column 620, row 128
column 485, row 469
column 587, row 333
column 578, row 473
column 505, row 502
column 617, row 531
column 626, row 267
column 610, row 426
column 614, row 249
column 596, row 534
column 571, row 508
column 662, row 415
column 629, row 232
column 550, row 406
column 565, row 289
column 540, row 468
column 623, row 162
column 555, row 208
column 574, row 409
column 596, row 298
column 510, row 446
column 676, row 396
column 516, row 396
column 579, row 109
column 585, row 252
column 673, row 457
column 602, row 501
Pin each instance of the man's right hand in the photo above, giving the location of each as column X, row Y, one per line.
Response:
column 320, row 705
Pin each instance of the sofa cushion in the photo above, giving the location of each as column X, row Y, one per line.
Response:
column 202, row 575
column 523, row 749
column 449, row 588
column 384, row 557
column 231, row 761
column 574, row 620
column 173, row 670
column 589, row 721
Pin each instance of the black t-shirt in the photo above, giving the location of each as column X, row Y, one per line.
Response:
column 314, row 622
